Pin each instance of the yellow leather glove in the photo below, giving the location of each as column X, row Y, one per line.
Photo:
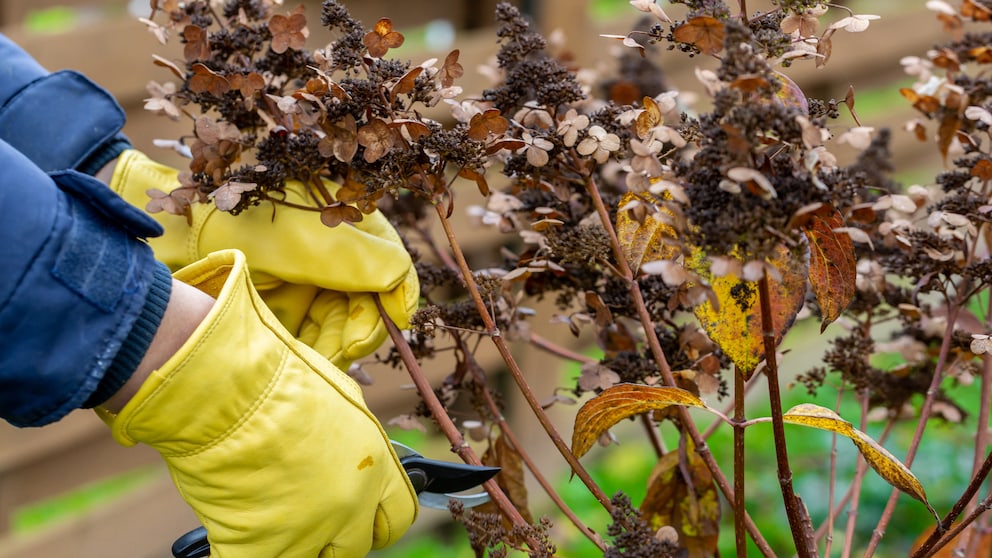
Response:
column 317, row 280
column 272, row 447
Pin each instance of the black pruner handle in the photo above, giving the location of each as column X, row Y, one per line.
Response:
column 192, row 545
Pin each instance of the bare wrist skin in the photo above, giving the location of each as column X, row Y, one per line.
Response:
column 187, row 307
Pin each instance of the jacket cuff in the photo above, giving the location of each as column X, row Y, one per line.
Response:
column 135, row 345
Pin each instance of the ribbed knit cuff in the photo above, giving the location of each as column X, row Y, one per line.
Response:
column 136, row 343
column 105, row 154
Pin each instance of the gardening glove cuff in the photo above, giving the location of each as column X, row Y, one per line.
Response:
column 273, row 447
column 59, row 120
column 319, row 281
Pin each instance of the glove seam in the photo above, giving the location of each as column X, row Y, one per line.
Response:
column 246, row 416
column 178, row 369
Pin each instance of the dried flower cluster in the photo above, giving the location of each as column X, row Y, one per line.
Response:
column 686, row 239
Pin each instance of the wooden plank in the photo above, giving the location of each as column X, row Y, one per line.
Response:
column 141, row 524
column 60, row 458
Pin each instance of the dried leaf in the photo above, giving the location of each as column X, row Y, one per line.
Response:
column 406, row 83
column 228, row 196
column 884, row 463
column 691, row 506
column 614, row 404
column 382, row 38
column 510, row 478
column 197, row 47
column 648, row 119
column 288, row 32
column 484, row 123
column 949, row 126
column 168, row 64
column 206, row 80
column 734, row 322
column 478, row 177
column 341, row 140
column 832, row 268
column 336, row 213
column 703, row 32
column 377, row 138
column 451, row 70
column 642, row 237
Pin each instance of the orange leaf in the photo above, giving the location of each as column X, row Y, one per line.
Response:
column 927, row 104
column 197, row 47
column 382, row 38
column 703, row 32
column 684, row 497
column 619, row 402
column 832, row 272
column 641, row 235
column 734, row 323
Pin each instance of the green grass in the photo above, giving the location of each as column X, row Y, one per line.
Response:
column 79, row 502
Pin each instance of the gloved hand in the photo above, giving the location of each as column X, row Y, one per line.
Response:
column 317, row 280
column 272, row 447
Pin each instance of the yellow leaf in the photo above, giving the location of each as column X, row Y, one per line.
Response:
column 641, row 235
column 619, row 402
column 734, row 323
column 883, row 462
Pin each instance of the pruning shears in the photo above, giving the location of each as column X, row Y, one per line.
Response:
column 435, row 482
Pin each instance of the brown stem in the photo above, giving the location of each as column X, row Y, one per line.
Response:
column 514, row 368
column 652, row 432
column 929, row 545
column 558, row 350
column 914, row 445
column 507, row 431
column 859, row 474
column 666, row 372
column 799, row 521
column 444, row 422
column 740, row 532
column 981, row 508
column 753, row 381
column 832, row 489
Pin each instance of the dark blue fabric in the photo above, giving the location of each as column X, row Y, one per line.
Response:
column 72, row 283
column 61, row 120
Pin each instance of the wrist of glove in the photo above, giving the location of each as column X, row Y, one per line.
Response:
column 318, row 281
column 272, row 447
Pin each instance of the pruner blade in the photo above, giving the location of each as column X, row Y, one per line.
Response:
column 436, row 482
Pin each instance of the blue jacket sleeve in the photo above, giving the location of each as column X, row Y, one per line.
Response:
column 81, row 295
column 60, row 120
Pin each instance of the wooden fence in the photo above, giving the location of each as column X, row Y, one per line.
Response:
column 36, row 464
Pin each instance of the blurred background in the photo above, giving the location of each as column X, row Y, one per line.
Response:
column 69, row 490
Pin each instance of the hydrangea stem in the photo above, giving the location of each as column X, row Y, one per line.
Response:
column 799, row 521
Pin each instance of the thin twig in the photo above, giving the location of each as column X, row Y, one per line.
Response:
column 799, row 521
column 666, row 372
column 982, row 507
column 914, row 445
column 511, row 364
column 444, row 422
column 831, row 491
column 480, row 379
column 558, row 350
column 977, row 480
column 753, row 381
column 859, row 474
